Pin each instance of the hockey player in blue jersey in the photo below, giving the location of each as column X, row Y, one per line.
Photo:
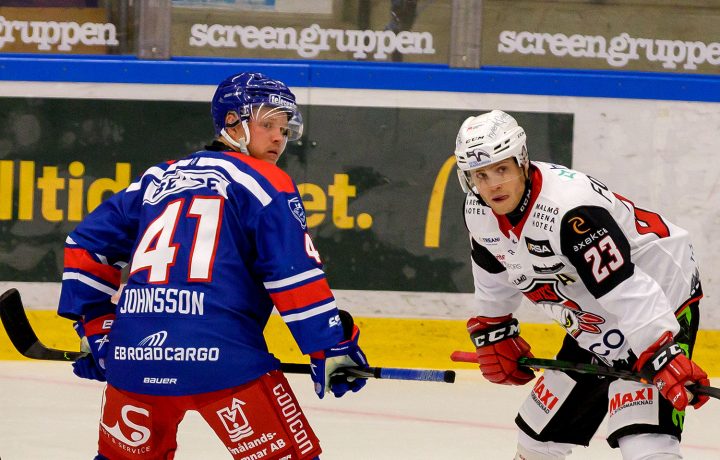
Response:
column 213, row 241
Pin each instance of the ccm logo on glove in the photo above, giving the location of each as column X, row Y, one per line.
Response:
column 497, row 334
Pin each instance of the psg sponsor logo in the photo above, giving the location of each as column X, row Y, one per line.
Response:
column 297, row 210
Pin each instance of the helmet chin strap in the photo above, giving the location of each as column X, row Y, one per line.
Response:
column 240, row 144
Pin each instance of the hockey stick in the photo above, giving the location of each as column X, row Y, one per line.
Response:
column 23, row 337
column 21, row 334
column 394, row 373
column 539, row 363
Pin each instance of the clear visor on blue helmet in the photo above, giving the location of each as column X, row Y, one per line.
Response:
column 286, row 118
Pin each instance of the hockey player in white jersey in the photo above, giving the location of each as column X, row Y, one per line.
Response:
column 621, row 280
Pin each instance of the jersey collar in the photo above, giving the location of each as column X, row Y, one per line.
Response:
column 535, row 186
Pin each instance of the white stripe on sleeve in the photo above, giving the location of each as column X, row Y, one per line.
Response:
column 309, row 313
column 293, row 279
column 89, row 282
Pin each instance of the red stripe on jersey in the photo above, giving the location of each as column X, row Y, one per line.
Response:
column 276, row 176
column 80, row 259
column 302, row 296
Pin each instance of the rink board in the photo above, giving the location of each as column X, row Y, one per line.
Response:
column 390, row 342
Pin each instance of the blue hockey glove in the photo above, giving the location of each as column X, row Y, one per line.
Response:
column 327, row 365
column 94, row 341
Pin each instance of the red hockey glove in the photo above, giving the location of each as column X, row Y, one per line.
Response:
column 666, row 366
column 498, row 346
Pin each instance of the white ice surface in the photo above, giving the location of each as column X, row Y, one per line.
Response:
column 47, row 413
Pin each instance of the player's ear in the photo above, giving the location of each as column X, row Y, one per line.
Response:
column 231, row 119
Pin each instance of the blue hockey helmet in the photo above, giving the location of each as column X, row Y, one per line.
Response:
column 246, row 94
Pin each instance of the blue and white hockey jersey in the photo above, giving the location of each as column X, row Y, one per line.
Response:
column 213, row 242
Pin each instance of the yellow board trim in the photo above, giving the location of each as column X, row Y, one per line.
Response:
column 389, row 342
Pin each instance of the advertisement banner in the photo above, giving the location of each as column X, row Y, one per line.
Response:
column 56, row 30
column 379, row 185
column 622, row 35
column 383, row 31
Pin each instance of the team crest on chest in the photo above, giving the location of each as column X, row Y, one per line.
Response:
column 546, row 294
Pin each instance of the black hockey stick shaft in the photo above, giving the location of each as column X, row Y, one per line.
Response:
column 595, row 369
column 23, row 336
column 24, row 339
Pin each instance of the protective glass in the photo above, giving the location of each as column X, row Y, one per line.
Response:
column 287, row 119
column 494, row 175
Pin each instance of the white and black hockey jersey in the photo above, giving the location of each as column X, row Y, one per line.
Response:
column 611, row 274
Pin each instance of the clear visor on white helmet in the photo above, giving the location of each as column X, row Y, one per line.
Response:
column 485, row 141
column 491, row 176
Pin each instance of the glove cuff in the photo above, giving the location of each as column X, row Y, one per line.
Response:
column 100, row 325
column 657, row 356
column 483, row 334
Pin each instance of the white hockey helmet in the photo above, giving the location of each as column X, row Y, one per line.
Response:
column 487, row 139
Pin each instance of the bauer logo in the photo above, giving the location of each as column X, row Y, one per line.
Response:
column 298, row 211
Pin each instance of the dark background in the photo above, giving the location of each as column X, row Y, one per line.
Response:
column 391, row 155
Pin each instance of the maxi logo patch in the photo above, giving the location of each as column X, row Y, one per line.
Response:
column 641, row 397
column 297, row 210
